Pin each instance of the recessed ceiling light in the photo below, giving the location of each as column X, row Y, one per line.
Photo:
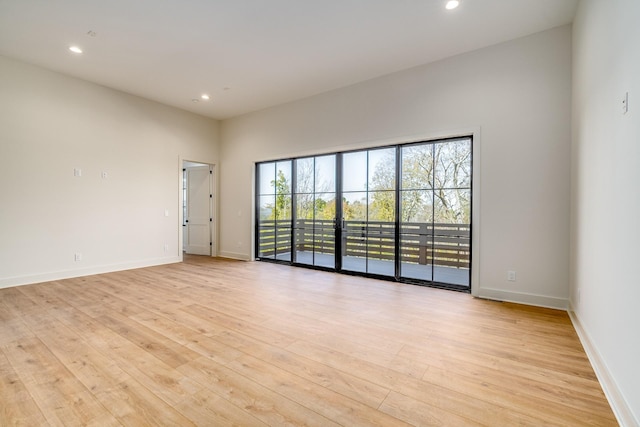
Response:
column 205, row 96
column 452, row 4
column 195, row 100
column 75, row 49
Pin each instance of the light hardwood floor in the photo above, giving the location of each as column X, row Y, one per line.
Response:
column 215, row 342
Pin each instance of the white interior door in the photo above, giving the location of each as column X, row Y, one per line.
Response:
column 198, row 237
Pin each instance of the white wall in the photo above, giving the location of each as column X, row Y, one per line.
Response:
column 515, row 96
column 605, row 284
column 51, row 124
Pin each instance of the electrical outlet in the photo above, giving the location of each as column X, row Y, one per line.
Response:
column 77, row 256
column 511, row 276
column 104, row 175
column 166, row 247
column 625, row 103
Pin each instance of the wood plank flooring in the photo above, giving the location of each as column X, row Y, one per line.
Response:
column 214, row 342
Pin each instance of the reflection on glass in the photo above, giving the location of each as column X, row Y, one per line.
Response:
column 355, row 263
column 453, row 164
column 415, row 256
column 325, row 174
column 382, row 169
column 305, row 175
column 354, row 174
column 267, row 207
column 354, row 206
column 283, row 177
column 267, row 176
column 266, row 245
column 417, row 167
column 416, row 206
column 382, row 206
column 354, row 232
column 314, row 234
column 324, row 233
column 381, row 248
column 452, row 206
column 283, row 206
column 325, row 206
column 283, row 242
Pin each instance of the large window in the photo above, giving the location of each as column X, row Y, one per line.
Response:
column 400, row 212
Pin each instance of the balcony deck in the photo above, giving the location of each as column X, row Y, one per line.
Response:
column 429, row 252
column 450, row 275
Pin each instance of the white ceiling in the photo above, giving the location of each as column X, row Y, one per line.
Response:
column 265, row 52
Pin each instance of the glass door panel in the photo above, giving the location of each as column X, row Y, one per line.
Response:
column 354, row 231
column 452, row 212
column 381, row 214
column 282, row 210
column 354, row 211
column 303, row 222
column 368, row 210
column 266, row 221
column 435, row 218
column 416, row 212
column 266, row 227
column 416, row 234
column 452, row 236
column 274, row 210
column 324, row 234
column 315, row 194
column 381, row 234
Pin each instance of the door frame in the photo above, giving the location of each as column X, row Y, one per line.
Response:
column 213, row 207
column 471, row 132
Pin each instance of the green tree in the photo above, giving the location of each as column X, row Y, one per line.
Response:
column 352, row 211
column 282, row 208
column 435, row 184
column 382, row 203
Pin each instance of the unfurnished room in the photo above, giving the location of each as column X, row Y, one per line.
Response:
column 336, row 213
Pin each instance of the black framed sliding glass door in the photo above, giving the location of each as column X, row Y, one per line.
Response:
column 400, row 212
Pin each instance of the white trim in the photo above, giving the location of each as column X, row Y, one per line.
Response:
column 68, row 274
column 475, row 212
column 234, row 255
column 616, row 399
column 522, row 298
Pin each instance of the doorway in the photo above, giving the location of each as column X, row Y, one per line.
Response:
column 198, row 209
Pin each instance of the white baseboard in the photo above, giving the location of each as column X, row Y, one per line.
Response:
column 234, row 255
column 616, row 399
column 68, row 274
column 522, row 298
